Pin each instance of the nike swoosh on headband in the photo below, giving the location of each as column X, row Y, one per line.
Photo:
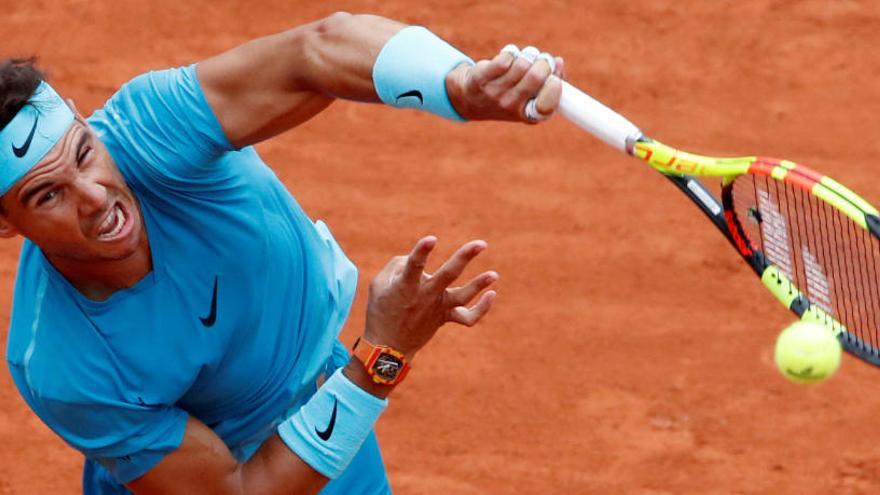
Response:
column 22, row 151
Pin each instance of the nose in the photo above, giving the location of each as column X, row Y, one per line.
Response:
column 93, row 196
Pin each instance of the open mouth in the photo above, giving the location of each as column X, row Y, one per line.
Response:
column 115, row 225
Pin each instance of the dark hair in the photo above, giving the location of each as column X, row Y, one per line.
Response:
column 19, row 78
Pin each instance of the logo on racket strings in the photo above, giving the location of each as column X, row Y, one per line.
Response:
column 776, row 241
column 774, row 232
column 818, row 289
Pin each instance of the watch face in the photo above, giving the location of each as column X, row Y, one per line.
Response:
column 387, row 366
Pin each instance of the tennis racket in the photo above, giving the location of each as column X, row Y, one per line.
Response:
column 814, row 243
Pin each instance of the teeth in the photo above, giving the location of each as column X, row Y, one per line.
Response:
column 114, row 222
column 106, row 224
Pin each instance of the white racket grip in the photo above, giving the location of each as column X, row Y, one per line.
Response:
column 592, row 116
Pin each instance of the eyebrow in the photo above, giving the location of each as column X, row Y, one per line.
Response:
column 26, row 197
column 28, row 194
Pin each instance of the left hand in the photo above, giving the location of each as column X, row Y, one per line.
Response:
column 406, row 306
column 500, row 89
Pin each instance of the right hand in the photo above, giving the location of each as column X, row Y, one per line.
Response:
column 500, row 89
column 406, row 306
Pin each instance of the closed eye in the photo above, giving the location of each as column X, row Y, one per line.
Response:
column 84, row 153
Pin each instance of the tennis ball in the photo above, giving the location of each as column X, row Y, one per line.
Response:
column 807, row 352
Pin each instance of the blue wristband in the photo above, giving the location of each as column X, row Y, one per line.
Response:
column 330, row 428
column 411, row 69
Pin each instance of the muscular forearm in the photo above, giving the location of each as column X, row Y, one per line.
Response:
column 275, row 469
column 204, row 465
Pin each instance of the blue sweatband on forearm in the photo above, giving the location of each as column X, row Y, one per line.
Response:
column 330, row 428
column 411, row 69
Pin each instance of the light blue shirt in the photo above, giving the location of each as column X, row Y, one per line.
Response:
column 116, row 379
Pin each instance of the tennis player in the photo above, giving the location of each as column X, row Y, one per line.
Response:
column 176, row 313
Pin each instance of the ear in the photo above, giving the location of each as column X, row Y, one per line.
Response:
column 7, row 230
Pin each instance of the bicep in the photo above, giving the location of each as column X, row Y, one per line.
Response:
column 204, row 465
column 271, row 84
column 251, row 95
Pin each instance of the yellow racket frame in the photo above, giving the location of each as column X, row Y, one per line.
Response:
column 670, row 161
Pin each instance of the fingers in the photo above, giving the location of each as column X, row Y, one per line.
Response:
column 499, row 87
column 470, row 316
column 488, row 70
column 454, row 266
column 459, row 296
column 529, row 76
column 531, row 83
column 548, row 97
column 560, row 68
column 414, row 266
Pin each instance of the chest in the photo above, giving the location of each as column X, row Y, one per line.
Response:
column 151, row 347
column 233, row 305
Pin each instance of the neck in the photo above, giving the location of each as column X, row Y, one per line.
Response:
column 98, row 280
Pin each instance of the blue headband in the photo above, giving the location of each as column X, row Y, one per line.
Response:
column 34, row 130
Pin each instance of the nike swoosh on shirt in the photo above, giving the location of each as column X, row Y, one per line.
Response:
column 326, row 434
column 209, row 320
column 21, row 151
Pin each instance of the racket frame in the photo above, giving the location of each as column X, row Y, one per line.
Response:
column 683, row 169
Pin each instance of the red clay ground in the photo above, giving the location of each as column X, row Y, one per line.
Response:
column 629, row 351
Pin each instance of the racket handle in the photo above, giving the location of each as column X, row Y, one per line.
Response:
column 587, row 113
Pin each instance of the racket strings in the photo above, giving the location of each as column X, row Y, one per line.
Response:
column 827, row 256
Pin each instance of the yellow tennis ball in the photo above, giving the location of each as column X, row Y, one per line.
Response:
column 807, row 352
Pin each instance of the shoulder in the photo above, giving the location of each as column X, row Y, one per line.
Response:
column 151, row 87
column 31, row 286
column 71, row 378
column 50, row 342
column 160, row 127
column 167, row 103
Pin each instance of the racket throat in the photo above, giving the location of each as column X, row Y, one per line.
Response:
column 631, row 141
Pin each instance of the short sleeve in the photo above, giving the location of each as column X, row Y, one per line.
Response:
column 128, row 440
column 160, row 124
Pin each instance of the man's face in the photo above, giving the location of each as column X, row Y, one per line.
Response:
column 74, row 203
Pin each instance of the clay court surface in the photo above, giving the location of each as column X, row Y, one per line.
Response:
column 630, row 351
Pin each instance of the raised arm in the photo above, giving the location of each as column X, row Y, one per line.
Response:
column 275, row 83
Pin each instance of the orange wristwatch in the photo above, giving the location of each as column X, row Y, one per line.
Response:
column 384, row 364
